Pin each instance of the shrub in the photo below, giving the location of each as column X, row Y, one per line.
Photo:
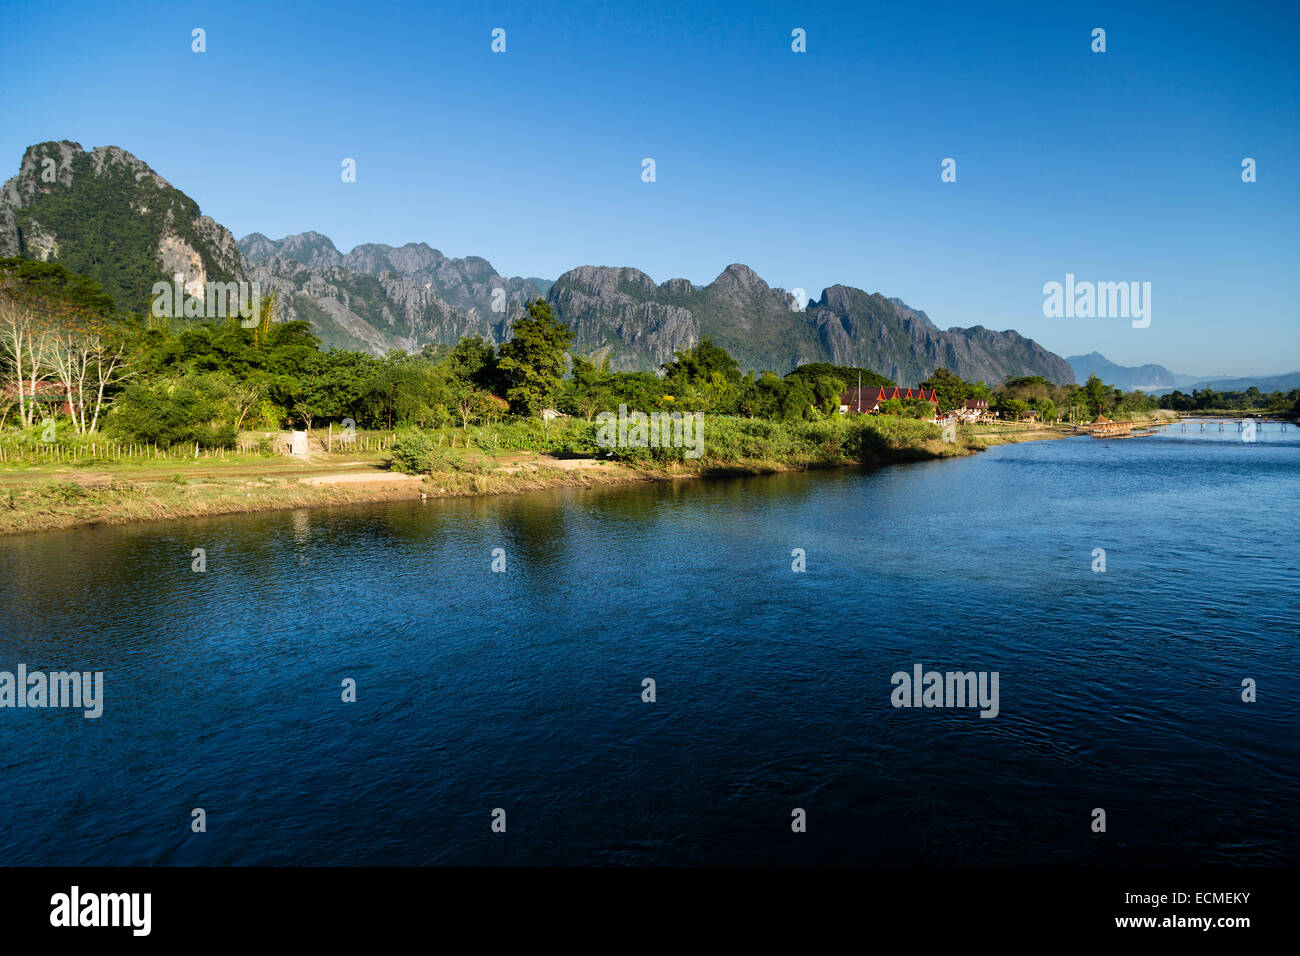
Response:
column 176, row 412
column 416, row 453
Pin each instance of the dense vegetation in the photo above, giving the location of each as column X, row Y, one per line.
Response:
column 1252, row 399
column 204, row 383
column 1078, row 403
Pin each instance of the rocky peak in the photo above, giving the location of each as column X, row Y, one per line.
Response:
column 109, row 199
column 678, row 287
column 620, row 282
column 739, row 278
column 309, row 248
column 841, row 299
column 409, row 260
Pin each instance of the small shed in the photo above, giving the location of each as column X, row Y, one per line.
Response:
column 1103, row 427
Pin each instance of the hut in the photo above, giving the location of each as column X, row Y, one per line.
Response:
column 1103, row 427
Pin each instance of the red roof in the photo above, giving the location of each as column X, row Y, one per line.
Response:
column 45, row 391
column 44, row 388
column 870, row 397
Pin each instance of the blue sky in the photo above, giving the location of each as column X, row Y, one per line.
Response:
column 812, row 168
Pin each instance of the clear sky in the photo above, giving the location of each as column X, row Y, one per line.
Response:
column 813, row 168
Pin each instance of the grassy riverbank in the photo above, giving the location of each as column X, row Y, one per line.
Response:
column 50, row 496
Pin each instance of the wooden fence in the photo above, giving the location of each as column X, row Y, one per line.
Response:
column 75, row 453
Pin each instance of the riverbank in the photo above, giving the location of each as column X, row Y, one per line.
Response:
column 48, row 497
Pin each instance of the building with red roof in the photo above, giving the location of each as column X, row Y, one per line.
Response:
column 868, row 400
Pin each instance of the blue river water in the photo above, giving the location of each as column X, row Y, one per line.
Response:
column 1120, row 690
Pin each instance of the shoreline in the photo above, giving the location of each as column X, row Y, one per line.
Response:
column 84, row 498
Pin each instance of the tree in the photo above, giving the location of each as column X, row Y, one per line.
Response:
column 265, row 316
column 643, row 391
column 196, row 408
column 468, row 402
column 827, row 390
column 589, row 390
column 88, row 358
column 1095, row 393
column 27, row 345
column 848, row 374
column 245, row 396
column 30, row 280
column 789, row 399
column 700, row 363
column 532, row 363
column 335, row 385
column 951, row 390
column 1015, row 407
column 473, row 361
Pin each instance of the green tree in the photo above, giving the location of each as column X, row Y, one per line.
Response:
column 588, row 390
column 33, row 282
column 951, row 390
column 197, row 408
column 1095, row 393
column 338, row 385
column 532, row 363
column 779, row 399
column 468, row 402
column 827, row 390
column 848, row 374
column 1014, row 408
column 700, row 363
column 473, row 361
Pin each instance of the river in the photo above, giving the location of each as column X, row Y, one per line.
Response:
column 1118, row 689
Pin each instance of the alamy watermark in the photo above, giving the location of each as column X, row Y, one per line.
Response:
column 37, row 689
column 655, row 430
column 218, row 300
column 923, row 688
column 76, row 908
column 1098, row 300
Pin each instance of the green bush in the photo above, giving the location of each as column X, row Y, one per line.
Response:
column 170, row 412
column 417, row 453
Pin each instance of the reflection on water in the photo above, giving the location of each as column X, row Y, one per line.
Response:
column 522, row 690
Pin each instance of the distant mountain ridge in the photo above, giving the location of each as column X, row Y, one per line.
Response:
column 641, row 323
column 106, row 214
column 378, row 297
column 1158, row 380
column 1265, row 383
column 467, row 283
column 1144, row 377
